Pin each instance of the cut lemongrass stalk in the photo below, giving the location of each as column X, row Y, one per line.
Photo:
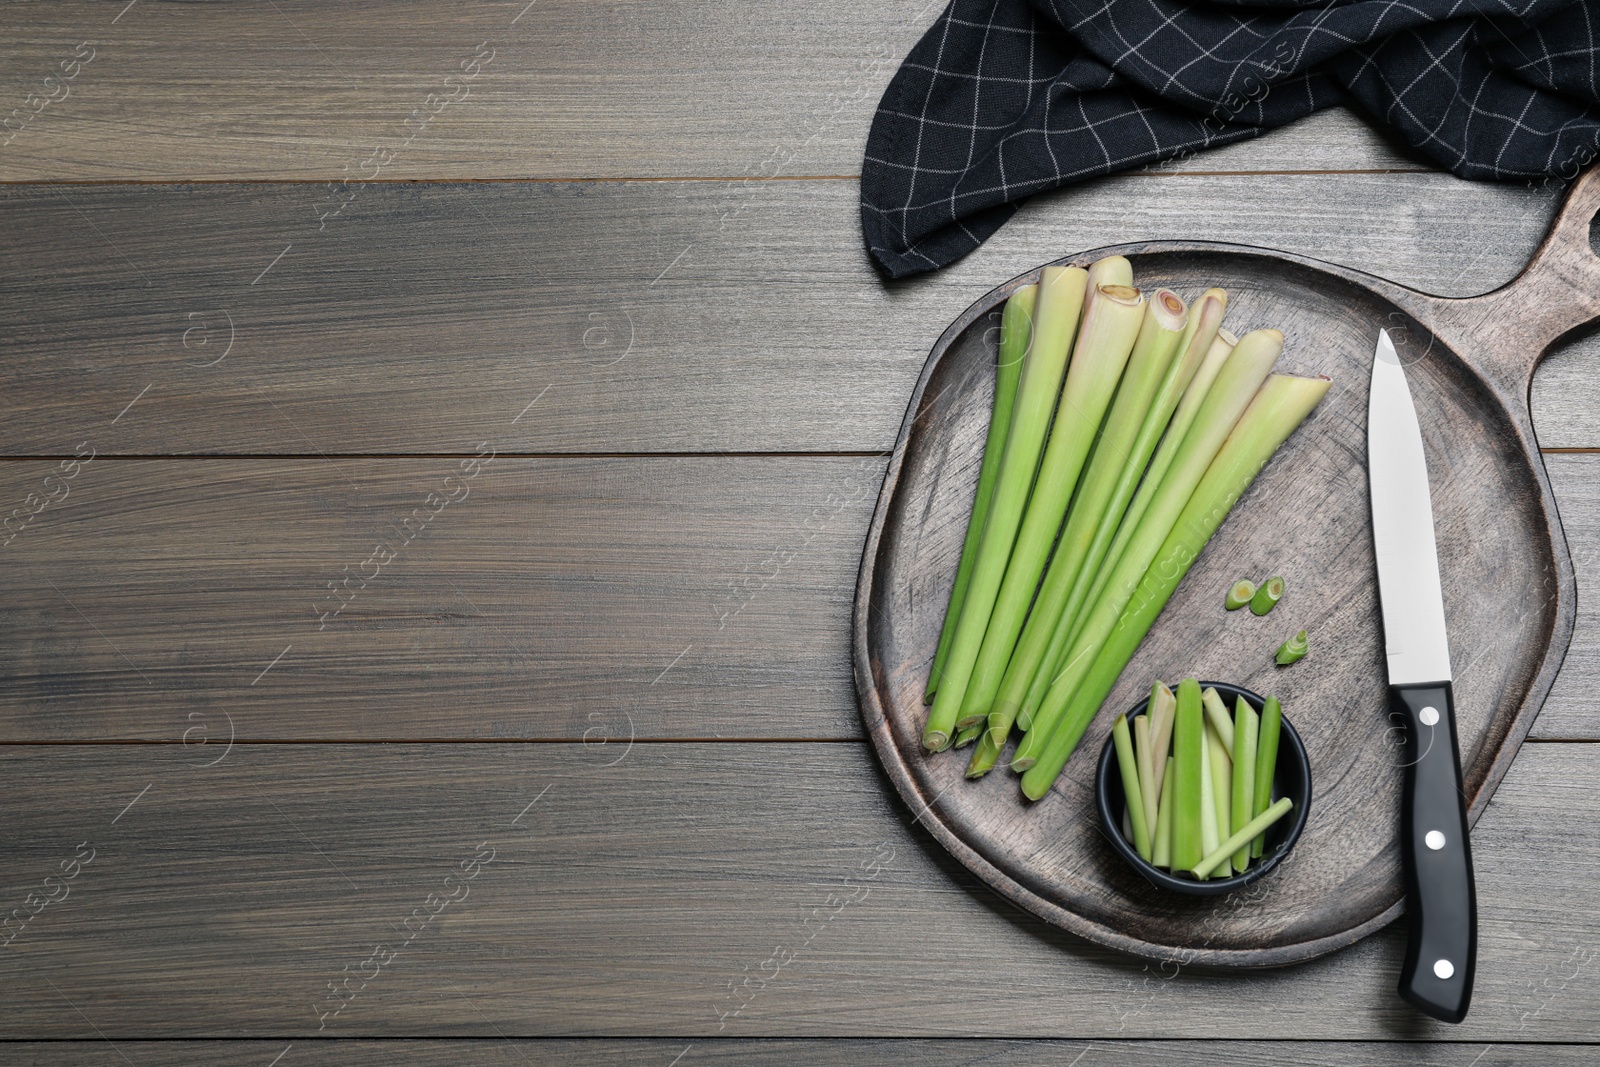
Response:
column 1188, row 751
column 1132, row 795
column 1154, row 347
column 1209, row 835
column 985, row 755
column 1164, row 703
column 1105, row 342
column 1293, row 650
column 967, row 736
column 1143, row 752
column 1194, row 398
column 1111, row 270
column 1222, row 779
column 1239, row 594
column 1246, row 367
column 1016, row 325
column 1161, row 850
column 1055, row 322
column 1282, row 404
column 1253, row 828
column 1204, row 320
column 1266, row 760
column 1217, row 715
column 1246, row 725
column 1267, row 596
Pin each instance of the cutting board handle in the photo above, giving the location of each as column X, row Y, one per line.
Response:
column 1557, row 292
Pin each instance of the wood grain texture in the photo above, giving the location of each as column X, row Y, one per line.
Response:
column 627, row 898
column 302, row 90
column 561, row 597
column 582, row 579
column 699, row 316
column 551, row 1052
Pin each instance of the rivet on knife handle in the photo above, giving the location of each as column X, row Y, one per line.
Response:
column 1442, row 953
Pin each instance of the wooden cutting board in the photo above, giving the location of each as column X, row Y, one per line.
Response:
column 1508, row 588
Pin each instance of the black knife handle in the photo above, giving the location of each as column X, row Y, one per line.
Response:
column 1443, row 950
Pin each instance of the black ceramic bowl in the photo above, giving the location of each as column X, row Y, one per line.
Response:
column 1292, row 780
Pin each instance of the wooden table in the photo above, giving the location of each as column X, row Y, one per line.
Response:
column 444, row 436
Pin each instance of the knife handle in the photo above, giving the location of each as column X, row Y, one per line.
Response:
column 1442, row 952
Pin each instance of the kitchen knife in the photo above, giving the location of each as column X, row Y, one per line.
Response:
column 1443, row 947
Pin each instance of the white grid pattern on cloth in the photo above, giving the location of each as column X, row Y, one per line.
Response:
column 1003, row 99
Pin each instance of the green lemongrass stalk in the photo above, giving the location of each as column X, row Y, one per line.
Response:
column 1105, row 342
column 1293, row 650
column 1282, row 404
column 1055, row 322
column 1182, row 421
column 1246, row 367
column 1239, row 594
column 1246, row 726
column 1152, row 357
column 1144, row 754
column 1161, row 851
column 1165, row 704
column 1217, row 715
column 1132, row 794
column 1112, row 270
column 1222, row 776
column 1209, row 835
column 966, row 737
column 1188, row 751
column 1266, row 761
column 1255, row 827
column 1016, row 326
column 985, row 755
column 1267, row 596
column 1031, row 676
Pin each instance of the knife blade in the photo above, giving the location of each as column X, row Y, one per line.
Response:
column 1441, row 953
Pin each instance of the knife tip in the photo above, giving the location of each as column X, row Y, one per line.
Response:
column 1386, row 352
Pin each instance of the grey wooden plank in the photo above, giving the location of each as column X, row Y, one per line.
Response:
column 1570, row 710
column 563, row 597
column 683, row 889
column 696, row 316
column 869, row 1052
column 548, row 603
column 567, row 89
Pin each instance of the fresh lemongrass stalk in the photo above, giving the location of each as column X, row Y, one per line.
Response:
column 1203, row 322
column 1016, row 326
column 1222, row 776
column 1246, row 726
column 1266, row 760
column 1055, row 322
column 966, row 737
column 1154, row 348
column 1105, row 342
column 1282, row 404
column 1239, row 594
column 1246, row 367
column 1112, row 270
column 1217, row 715
column 1209, row 835
column 1132, row 794
column 1165, row 704
column 985, row 755
column 1293, row 650
column 1267, row 596
column 1188, row 751
column 1253, row 828
column 1161, row 851
column 1194, row 398
column 1144, row 754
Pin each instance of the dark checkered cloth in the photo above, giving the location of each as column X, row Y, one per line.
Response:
column 1005, row 98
